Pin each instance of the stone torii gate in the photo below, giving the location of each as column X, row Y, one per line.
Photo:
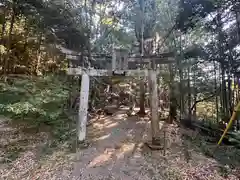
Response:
column 119, row 67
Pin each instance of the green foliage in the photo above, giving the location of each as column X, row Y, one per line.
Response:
column 58, row 17
column 235, row 138
column 36, row 101
column 144, row 12
column 191, row 11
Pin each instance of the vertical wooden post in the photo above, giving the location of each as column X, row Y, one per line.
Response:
column 154, row 108
column 83, row 107
column 114, row 59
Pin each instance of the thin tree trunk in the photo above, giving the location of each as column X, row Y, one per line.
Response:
column 194, row 95
column 2, row 37
column 181, row 80
column 26, row 34
column 221, row 94
column 215, row 87
column 142, row 98
column 237, row 99
column 229, row 94
column 173, row 101
column 92, row 96
column 237, row 15
column 141, row 48
column 223, row 90
column 3, row 26
column 9, row 44
column 38, row 55
column 189, row 94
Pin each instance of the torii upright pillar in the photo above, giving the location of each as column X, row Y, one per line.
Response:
column 83, row 107
column 154, row 107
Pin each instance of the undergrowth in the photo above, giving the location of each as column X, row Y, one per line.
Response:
column 37, row 101
column 225, row 155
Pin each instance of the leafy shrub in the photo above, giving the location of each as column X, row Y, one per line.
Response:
column 35, row 100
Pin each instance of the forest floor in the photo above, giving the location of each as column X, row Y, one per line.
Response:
column 38, row 142
column 116, row 150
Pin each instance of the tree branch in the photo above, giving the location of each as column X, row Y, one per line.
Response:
column 204, row 99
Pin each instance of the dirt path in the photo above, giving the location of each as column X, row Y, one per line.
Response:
column 115, row 151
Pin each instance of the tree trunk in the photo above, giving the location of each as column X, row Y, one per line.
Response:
column 194, row 95
column 223, row 68
column 223, row 92
column 9, row 44
column 220, row 95
column 2, row 37
column 3, row 26
column 237, row 99
column 142, row 98
column 237, row 15
column 38, row 55
column 91, row 102
column 181, row 96
column 230, row 106
column 189, row 94
column 173, row 101
column 215, row 87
